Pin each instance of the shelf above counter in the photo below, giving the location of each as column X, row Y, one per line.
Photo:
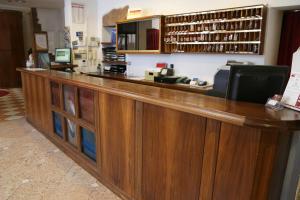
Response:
column 231, row 42
column 239, row 30
column 214, row 21
column 108, row 43
column 115, row 62
column 212, row 32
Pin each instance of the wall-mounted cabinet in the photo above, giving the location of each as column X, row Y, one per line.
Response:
column 235, row 31
column 142, row 35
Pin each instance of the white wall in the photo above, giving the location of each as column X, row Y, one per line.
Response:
column 199, row 65
column 52, row 21
column 91, row 27
column 273, row 33
column 285, row 3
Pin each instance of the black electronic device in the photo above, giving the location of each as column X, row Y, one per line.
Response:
column 251, row 83
column 166, row 79
column 182, row 79
column 117, row 69
column 187, row 81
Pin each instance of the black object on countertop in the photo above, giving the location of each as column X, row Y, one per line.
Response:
column 166, row 79
column 251, row 83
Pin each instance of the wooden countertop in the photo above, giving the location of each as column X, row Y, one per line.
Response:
column 132, row 79
column 238, row 113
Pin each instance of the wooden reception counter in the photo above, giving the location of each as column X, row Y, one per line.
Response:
column 151, row 143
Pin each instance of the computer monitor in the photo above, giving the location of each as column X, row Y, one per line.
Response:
column 251, row 83
column 63, row 55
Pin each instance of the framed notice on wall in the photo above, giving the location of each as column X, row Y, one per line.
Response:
column 41, row 41
column 78, row 13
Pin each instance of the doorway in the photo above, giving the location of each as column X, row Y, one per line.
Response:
column 11, row 48
column 290, row 37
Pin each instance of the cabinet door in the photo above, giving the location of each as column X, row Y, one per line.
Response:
column 117, row 141
column 55, row 94
column 172, row 153
column 88, row 144
column 71, row 132
column 86, row 105
column 69, row 99
column 57, row 124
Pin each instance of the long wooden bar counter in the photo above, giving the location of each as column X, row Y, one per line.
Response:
column 155, row 143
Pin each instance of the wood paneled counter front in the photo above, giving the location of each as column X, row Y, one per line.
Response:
column 151, row 143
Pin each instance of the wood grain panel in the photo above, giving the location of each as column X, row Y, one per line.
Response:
column 37, row 101
column 24, row 89
column 138, row 160
column 44, row 103
column 117, row 119
column 265, row 165
column 33, row 90
column 210, row 158
column 172, row 154
column 237, row 157
column 29, row 100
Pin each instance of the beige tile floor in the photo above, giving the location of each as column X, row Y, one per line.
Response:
column 31, row 167
column 12, row 105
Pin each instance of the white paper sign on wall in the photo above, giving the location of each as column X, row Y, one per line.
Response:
column 78, row 13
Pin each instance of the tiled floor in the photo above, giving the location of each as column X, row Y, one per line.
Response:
column 12, row 105
column 31, row 167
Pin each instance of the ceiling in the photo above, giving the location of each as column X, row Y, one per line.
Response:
column 34, row 3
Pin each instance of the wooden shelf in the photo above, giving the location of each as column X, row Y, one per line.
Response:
column 231, row 42
column 235, row 30
column 127, row 39
column 215, row 21
column 108, row 43
column 109, row 26
column 216, row 11
column 62, row 67
column 115, row 62
column 213, row 32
